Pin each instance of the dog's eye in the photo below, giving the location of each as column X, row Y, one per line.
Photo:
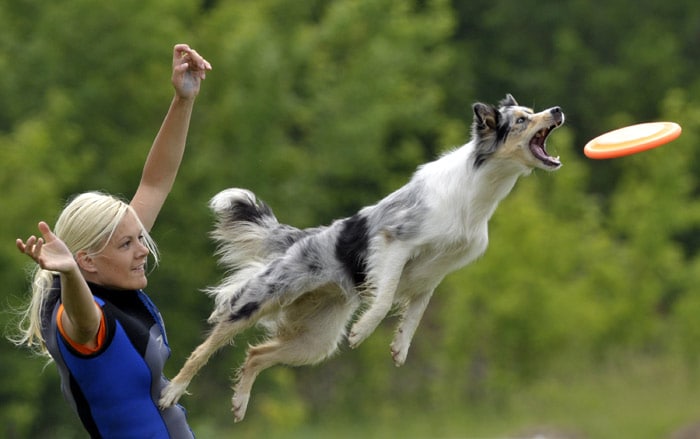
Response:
column 521, row 119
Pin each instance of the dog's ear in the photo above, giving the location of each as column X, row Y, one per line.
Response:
column 485, row 116
column 509, row 101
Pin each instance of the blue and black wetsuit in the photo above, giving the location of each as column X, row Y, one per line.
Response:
column 115, row 388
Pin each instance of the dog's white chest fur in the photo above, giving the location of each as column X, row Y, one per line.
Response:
column 460, row 203
column 431, row 264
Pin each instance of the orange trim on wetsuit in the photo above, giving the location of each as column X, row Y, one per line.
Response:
column 81, row 348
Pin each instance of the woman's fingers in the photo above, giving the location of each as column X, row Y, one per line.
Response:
column 46, row 231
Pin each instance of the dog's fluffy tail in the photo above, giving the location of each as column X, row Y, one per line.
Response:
column 243, row 226
column 248, row 236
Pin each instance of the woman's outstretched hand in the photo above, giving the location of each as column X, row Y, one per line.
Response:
column 189, row 69
column 48, row 250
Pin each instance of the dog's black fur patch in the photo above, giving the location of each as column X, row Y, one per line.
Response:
column 245, row 311
column 351, row 247
column 242, row 211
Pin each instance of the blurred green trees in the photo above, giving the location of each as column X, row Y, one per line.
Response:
column 321, row 107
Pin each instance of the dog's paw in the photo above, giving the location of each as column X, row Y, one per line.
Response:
column 171, row 394
column 399, row 354
column 399, row 348
column 356, row 337
column 240, row 405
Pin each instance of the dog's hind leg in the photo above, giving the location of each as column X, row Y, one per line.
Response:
column 222, row 333
column 386, row 273
column 311, row 330
column 257, row 359
column 410, row 318
column 262, row 357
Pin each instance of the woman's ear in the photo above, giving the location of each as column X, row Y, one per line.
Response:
column 85, row 261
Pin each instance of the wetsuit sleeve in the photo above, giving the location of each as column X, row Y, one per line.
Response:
column 85, row 350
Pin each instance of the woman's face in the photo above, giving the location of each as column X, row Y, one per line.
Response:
column 122, row 263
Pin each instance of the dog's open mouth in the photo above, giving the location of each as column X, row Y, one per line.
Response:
column 538, row 148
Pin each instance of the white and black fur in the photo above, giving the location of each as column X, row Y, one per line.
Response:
column 305, row 286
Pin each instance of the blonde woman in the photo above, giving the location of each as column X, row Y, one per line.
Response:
column 88, row 310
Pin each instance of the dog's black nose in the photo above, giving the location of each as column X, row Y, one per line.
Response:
column 557, row 114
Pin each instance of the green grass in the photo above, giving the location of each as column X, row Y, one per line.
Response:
column 645, row 398
column 637, row 399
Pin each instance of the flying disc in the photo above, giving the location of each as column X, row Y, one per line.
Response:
column 631, row 140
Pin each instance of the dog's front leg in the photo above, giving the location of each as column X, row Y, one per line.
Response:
column 385, row 268
column 410, row 319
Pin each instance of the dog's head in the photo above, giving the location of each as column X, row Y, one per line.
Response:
column 514, row 133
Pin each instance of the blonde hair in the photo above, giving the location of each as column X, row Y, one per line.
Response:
column 86, row 223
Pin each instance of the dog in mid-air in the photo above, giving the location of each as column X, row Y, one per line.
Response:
column 304, row 287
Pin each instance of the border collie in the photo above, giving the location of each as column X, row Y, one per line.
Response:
column 310, row 289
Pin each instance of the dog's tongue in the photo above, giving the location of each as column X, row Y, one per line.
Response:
column 537, row 147
column 541, row 154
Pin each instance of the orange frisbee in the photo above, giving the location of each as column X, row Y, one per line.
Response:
column 631, row 140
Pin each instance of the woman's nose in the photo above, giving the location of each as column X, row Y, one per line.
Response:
column 143, row 248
